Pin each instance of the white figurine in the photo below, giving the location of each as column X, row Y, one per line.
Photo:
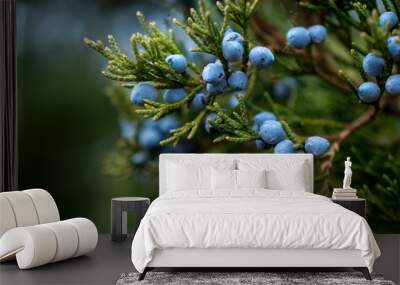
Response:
column 347, row 174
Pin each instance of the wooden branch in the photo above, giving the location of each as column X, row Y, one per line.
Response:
column 267, row 33
column 326, row 71
column 358, row 123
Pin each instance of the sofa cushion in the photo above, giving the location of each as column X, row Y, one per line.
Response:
column 26, row 208
column 45, row 205
column 23, row 208
column 7, row 220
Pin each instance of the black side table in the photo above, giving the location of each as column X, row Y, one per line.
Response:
column 119, row 208
column 357, row 205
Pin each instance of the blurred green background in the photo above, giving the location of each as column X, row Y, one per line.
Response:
column 66, row 123
column 67, row 126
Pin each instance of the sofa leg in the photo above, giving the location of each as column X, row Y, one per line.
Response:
column 364, row 271
column 143, row 274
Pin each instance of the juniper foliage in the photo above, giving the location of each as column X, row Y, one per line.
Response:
column 326, row 100
column 148, row 65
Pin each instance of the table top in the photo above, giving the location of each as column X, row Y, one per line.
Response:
column 130, row 199
column 350, row 199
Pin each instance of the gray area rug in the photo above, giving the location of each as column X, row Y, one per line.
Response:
column 243, row 278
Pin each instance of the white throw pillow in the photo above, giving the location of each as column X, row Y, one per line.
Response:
column 292, row 180
column 184, row 175
column 223, row 179
column 281, row 174
column 181, row 177
column 251, row 178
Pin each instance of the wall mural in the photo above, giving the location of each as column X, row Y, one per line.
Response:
column 318, row 77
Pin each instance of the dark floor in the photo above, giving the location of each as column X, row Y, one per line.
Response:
column 110, row 260
column 103, row 266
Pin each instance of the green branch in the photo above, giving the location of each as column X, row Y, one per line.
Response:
column 188, row 130
column 157, row 110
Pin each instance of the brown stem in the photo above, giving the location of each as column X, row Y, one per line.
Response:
column 267, row 33
column 326, row 71
column 361, row 121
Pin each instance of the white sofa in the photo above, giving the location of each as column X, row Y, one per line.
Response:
column 31, row 231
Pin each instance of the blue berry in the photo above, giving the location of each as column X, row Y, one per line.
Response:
column 261, row 57
column 213, row 73
column 392, row 84
column 232, row 51
column 283, row 87
column 167, row 123
column 281, row 90
column 317, row 34
column 198, row 102
column 127, row 129
column 394, row 47
column 316, row 145
column 369, row 92
column 298, row 37
column 143, row 91
column 388, row 19
column 234, row 99
column 228, row 30
column 261, row 117
column 238, row 80
column 272, row 132
column 373, row 65
column 149, row 123
column 216, row 88
column 255, row 128
column 260, row 145
column 231, row 36
column 207, row 126
column 149, row 138
column 140, row 157
column 174, row 95
column 285, row 146
column 177, row 62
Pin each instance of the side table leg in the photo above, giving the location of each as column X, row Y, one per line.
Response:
column 139, row 211
column 124, row 225
column 116, row 221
